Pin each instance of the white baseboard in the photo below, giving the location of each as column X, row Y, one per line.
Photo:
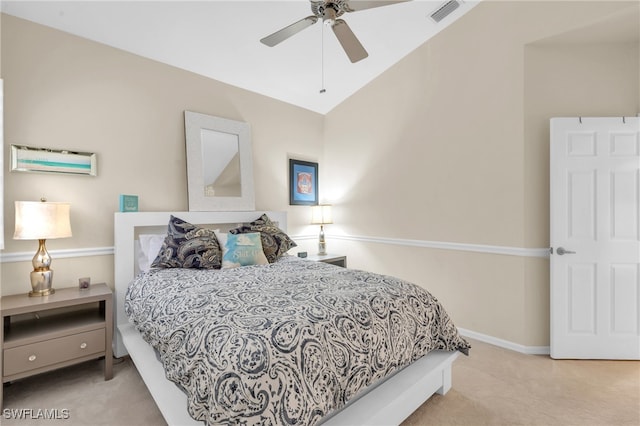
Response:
column 528, row 350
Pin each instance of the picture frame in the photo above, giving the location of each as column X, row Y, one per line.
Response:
column 128, row 203
column 303, row 183
column 47, row 160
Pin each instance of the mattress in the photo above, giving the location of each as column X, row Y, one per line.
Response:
column 285, row 343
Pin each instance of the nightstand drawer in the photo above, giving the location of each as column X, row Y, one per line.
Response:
column 49, row 352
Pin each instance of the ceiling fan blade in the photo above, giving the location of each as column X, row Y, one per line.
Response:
column 349, row 41
column 355, row 5
column 286, row 32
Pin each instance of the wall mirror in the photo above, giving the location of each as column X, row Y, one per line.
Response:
column 219, row 163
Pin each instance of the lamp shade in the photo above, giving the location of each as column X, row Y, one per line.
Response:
column 38, row 220
column 321, row 214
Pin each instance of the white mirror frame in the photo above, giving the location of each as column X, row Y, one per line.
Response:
column 194, row 123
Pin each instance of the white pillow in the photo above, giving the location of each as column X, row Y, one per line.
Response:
column 150, row 245
column 221, row 237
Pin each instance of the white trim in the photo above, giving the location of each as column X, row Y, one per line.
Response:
column 303, row 237
column 26, row 256
column 478, row 248
column 528, row 350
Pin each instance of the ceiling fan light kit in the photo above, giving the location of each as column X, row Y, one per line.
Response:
column 329, row 11
column 329, row 14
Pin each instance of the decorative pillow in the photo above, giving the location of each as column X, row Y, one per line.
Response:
column 150, row 245
column 188, row 246
column 243, row 250
column 275, row 242
column 222, row 239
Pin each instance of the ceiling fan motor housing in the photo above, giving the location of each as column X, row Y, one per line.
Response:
column 328, row 11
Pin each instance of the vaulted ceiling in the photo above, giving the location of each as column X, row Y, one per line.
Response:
column 220, row 40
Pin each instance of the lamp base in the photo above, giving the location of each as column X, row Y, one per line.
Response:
column 41, row 283
column 322, row 245
column 322, row 248
column 42, row 292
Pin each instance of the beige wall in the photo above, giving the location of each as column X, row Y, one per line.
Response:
column 66, row 92
column 448, row 145
column 2, row 163
column 455, row 149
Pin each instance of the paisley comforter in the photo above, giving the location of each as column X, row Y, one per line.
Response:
column 285, row 343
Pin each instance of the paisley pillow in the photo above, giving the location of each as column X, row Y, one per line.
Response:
column 188, row 246
column 275, row 242
column 243, row 250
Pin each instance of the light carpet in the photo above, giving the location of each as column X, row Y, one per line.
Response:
column 493, row 386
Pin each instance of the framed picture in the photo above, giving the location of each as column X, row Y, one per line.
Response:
column 128, row 203
column 303, row 183
column 29, row 159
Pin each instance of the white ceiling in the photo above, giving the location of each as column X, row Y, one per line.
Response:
column 220, row 40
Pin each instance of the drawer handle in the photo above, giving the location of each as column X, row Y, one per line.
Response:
column 83, row 345
column 32, row 358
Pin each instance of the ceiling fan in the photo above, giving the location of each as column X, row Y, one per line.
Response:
column 329, row 11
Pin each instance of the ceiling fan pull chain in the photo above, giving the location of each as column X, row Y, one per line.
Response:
column 322, row 89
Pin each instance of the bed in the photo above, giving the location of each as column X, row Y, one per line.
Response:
column 372, row 400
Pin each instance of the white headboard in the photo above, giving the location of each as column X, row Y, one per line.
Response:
column 126, row 226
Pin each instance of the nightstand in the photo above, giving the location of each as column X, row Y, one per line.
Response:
column 334, row 259
column 45, row 333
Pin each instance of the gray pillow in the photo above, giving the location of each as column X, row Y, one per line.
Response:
column 188, row 246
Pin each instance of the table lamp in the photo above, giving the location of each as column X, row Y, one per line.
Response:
column 41, row 220
column 321, row 215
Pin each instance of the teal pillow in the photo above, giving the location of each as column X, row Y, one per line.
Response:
column 275, row 242
column 243, row 250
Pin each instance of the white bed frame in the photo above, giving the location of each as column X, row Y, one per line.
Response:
column 386, row 404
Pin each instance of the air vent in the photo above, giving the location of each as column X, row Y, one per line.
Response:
column 444, row 10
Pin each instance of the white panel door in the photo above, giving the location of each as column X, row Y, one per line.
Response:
column 595, row 238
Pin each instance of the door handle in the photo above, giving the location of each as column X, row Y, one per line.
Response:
column 561, row 251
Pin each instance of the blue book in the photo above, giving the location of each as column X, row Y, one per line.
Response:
column 128, row 203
